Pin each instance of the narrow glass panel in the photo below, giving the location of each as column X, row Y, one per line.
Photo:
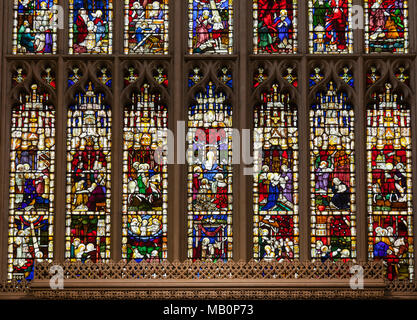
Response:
column 274, row 26
column 88, row 178
column 276, row 220
column 35, row 26
column 330, row 26
column 32, row 184
column 146, row 27
column 210, row 26
column 145, row 178
column 333, row 218
column 210, row 176
column 386, row 26
column 390, row 212
column 90, row 26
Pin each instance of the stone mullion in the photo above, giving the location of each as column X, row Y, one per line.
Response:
column 242, row 184
column 117, row 164
column 361, row 182
column 177, row 192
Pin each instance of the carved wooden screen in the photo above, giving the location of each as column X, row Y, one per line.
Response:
column 84, row 116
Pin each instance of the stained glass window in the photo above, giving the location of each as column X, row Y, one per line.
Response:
column 146, row 26
column 210, row 26
column 144, row 178
column 34, row 26
column 333, row 220
column 275, row 26
column 390, row 219
column 276, row 230
column 32, row 167
column 88, row 177
column 386, row 26
column 210, row 174
column 90, row 26
column 330, row 26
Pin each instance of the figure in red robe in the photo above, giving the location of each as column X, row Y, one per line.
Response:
column 81, row 23
column 337, row 23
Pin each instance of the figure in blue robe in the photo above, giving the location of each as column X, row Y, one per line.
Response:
column 283, row 24
column 273, row 195
column 30, row 196
column 139, row 34
column 380, row 249
column 25, row 38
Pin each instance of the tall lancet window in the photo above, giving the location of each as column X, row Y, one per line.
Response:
column 88, row 177
column 210, row 26
column 145, row 177
column 210, row 170
column 390, row 212
column 32, row 182
column 276, row 221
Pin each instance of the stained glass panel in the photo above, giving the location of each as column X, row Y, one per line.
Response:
column 90, row 26
column 390, row 219
column 276, row 230
column 290, row 75
column 346, row 75
column 144, row 178
column 35, row 26
column 260, row 76
column 74, row 75
column 402, row 75
column 333, row 220
column 31, row 191
column 88, row 178
column 48, row 75
column 18, row 76
column 160, row 75
column 210, row 176
column 275, row 26
column 386, row 26
column 210, row 26
column 330, row 26
column 146, row 26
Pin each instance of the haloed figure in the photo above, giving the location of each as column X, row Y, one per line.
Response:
column 283, row 25
column 341, row 194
